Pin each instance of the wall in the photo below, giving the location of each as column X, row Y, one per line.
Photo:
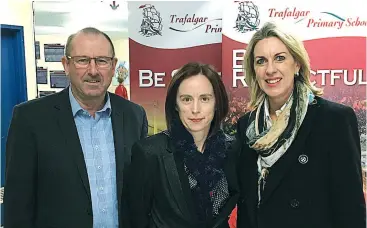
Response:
column 47, row 39
column 19, row 12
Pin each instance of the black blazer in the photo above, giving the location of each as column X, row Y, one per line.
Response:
column 46, row 181
column 158, row 190
column 317, row 183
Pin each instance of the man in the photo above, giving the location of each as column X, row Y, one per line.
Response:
column 66, row 153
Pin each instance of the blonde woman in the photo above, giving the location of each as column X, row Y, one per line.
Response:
column 300, row 156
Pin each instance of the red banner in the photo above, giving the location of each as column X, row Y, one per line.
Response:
column 334, row 36
column 163, row 37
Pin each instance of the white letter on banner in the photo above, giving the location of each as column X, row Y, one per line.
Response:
column 158, row 77
column 145, row 75
column 238, row 75
column 238, row 58
column 334, row 76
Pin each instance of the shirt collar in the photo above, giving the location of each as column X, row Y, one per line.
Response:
column 277, row 112
column 75, row 106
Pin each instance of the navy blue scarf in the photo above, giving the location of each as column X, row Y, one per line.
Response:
column 206, row 168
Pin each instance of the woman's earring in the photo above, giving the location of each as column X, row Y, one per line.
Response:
column 296, row 74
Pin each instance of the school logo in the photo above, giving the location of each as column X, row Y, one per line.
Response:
column 248, row 17
column 151, row 24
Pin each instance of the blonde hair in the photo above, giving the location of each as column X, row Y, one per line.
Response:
column 296, row 49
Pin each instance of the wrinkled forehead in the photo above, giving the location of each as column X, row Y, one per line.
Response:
column 90, row 45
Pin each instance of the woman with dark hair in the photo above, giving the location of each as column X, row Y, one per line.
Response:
column 184, row 177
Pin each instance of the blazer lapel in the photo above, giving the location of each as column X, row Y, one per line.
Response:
column 278, row 171
column 117, row 118
column 68, row 128
column 175, row 183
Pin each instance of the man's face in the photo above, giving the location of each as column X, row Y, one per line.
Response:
column 90, row 81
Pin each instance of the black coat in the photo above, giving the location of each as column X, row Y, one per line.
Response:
column 317, row 183
column 158, row 190
column 46, row 182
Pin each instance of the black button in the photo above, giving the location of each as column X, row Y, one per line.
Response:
column 294, row 203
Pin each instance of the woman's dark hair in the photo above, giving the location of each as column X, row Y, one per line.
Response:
column 189, row 70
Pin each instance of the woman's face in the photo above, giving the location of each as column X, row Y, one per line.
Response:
column 275, row 68
column 196, row 103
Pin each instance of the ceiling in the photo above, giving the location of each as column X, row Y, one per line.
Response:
column 65, row 17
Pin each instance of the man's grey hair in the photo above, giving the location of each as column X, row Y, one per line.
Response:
column 88, row 30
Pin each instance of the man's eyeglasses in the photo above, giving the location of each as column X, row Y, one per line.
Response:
column 84, row 61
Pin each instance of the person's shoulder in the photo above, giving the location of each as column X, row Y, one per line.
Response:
column 41, row 103
column 154, row 144
column 333, row 109
column 156, row 138
column 243, row 120
column 244, row 117
column 127, row 104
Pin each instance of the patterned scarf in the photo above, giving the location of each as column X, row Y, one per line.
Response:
column 266, row 141
column 204, row 170
column 271, row 142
